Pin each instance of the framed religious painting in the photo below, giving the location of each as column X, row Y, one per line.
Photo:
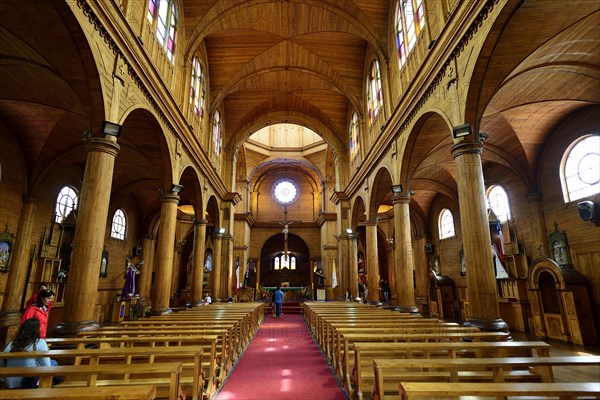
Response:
column 7, row 241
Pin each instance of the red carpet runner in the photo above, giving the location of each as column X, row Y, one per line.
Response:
column 282, row 362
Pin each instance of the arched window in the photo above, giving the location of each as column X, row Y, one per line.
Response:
column 217, row 139
column 498, row 200
column 119, row 225
column 410, row 21
column 198, row 88
column 65, row 203
column 162, row 14
column 354, row 136
column 580, row 172
column 276, row 263
column 292, row 262
column 374, row 92
column 446, row 224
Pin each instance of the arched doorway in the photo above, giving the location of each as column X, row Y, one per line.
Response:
column 277, row 269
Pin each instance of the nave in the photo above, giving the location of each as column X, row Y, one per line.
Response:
column 239, row 351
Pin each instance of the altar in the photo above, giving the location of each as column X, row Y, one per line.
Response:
column 292, row 293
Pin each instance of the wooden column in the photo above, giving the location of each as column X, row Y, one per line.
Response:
column 216, row 268
column 481, row 280
column 403, row 256
column 372, row 262
column 17, row 275
column 82, row 287
column 198, row 267
column 257, row 267
column 164, row 254
column 148, row 244
column 344, row 262
column 229, row 265
column 353, row 264
column 421, row 267
column 538, row 223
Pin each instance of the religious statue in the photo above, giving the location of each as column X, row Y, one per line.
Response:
column 131, row 289
column 320, row 277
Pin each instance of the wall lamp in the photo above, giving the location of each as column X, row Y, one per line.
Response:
column 462, row 130
column 221, row 231
column 176, row 188
column 349, row 231
column 396, row 189
column 111, row 129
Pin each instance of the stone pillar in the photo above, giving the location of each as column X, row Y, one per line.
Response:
column 216, row 269
column 10, row 315
column 82, row 288
column 481, row 280
column 372, row 261
column 538, row 224
column 163, row 274
column 198, row 267
column 403, row 256
column 148, row 244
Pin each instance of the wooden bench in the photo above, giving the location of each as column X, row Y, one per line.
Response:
column 365, row 352
column 80, row 393
column 564, row 391
column 344, row 356
column 389, row 372
column 105, row 375
column 213, row 368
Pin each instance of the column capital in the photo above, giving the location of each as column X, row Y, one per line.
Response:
column 102, row 145
column 200, row 222
column 401, row 199
column 169, row 198
column 371, row 222
column 462, row 148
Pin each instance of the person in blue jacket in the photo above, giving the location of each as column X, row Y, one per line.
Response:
column 278, row 302
column 28, row 339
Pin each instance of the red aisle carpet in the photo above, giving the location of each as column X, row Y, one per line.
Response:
column 282, row 362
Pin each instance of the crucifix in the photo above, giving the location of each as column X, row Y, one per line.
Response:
column 285, row 232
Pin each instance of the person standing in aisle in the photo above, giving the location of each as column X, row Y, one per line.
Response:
column 278, row 302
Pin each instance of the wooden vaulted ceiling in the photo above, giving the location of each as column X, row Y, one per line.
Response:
column 281, row 59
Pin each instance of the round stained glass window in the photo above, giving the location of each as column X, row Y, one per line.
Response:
column 285, row 191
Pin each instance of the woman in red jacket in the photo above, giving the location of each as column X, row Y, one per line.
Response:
column 40, row 310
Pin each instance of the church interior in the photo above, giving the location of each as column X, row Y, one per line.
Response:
column 447, row 150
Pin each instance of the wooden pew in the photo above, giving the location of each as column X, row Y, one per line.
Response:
column 79, row 393
column 192, row 378
column 389, row 372
column 212, row 364
column 344, row 356
column 564, row 391
column 97, row 375
column 365, row 352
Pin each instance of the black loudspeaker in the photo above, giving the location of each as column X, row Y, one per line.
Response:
column 428, row 248
column 586, row 210
column 137, row 250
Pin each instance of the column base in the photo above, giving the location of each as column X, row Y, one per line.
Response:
column 488, row 325
column 65, row 329
column 413, row 310
column 159, row 311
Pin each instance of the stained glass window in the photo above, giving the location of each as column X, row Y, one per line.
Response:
column 285, row 191
column 163, row 15
column 217, row 138
column 198, row 88
column 410, row 21
column 354, row 136
column 374, row 92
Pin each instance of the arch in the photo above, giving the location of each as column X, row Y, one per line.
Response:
column 212, row 211
column 381, row 190
column 297, row 247
column 192, row 191
column 358, row 214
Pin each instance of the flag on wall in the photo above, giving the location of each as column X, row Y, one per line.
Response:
column 333, row 276
column 500, row 244
column 236, row 282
